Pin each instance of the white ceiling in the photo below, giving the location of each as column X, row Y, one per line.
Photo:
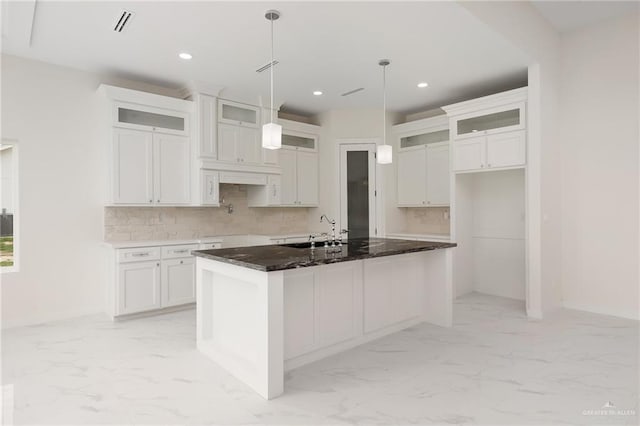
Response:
column 570, row 15
column 328, row 46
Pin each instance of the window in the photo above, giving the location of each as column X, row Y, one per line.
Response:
column 8, row 206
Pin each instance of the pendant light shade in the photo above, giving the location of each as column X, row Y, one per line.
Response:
column 384, row 152
column 272, row 136
column 272, row 132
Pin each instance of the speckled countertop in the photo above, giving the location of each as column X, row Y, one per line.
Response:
column 291, row 256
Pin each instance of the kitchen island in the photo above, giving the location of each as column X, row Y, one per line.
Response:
column 264, row 310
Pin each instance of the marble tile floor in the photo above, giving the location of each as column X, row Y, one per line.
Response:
column 493, row 367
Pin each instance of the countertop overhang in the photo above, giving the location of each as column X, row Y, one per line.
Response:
column 290, row 256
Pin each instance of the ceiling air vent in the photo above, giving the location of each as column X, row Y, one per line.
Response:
column 123, row 19
column 351, row 92
column 267, row 66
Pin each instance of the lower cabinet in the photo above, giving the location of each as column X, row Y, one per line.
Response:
column 178, row 281
column 148, row 278
column 138, row 287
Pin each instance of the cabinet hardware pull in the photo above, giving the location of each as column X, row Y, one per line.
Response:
column 158, row 264
column 181, row 251
column 140, row 254
column 488, row 165
column 181, row 262
column 481, row 165
column 151, row 201
column 158, row 201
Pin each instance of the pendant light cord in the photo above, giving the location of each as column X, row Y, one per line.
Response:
column 272, row 69
column 384, row 105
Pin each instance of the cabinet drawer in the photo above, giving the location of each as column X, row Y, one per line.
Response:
column 138, row 254
column 209, row 246
column 173, row 252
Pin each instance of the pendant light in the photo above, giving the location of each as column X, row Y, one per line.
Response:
column 272, row 132
column 384, row 153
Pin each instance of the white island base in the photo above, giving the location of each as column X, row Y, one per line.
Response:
column 257, row 325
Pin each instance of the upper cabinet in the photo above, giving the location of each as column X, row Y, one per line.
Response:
column 238, row 114
column 238, row 133
column 490, row 132
column 423, row 162
column 150, row 148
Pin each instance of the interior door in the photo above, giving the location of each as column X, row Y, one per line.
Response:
column 358, row 189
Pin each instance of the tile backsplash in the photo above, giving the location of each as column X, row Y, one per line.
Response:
column 167, row 223
column 429, row 220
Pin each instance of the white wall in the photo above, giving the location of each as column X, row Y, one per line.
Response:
column 53, row 113
column 600, row 113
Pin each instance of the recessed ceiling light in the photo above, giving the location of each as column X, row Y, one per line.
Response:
column 422, row 85
column 185, row 56
column 317, row 92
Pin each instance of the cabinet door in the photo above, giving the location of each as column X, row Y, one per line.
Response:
column 438, row 174
column 270, row 157
column 469, row 154
column 208, row 127
column 178, row 281
column 227, row 142
column 210, row 186
column 506, row 149
column 249, row 147
column 288, row 189
column 138, row 287
column 132, row 167
column 171, row 169
column 274, row 187
column 307, row 174
column 412, row 178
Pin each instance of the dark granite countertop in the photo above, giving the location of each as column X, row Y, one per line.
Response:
column 291, row 256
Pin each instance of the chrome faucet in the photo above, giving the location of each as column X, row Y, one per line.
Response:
column 333, row 228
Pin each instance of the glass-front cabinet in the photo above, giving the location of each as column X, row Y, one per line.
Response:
column 239, row 114
column 489, row 121
column 141, row 117
column 298, row 140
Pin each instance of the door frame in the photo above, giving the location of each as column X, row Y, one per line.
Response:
column 376, row 212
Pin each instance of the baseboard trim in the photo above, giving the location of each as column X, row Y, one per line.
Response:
column 594, row 310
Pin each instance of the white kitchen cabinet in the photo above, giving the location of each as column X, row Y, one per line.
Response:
column 423, row 176
column 490, row 151
column 237, row 144
column 238, row 114
column 152, row 278
column 178, row 281
column 138, row 287
column 150, row 147
column 210, row 188
column 307, row 178
column 171, row 169
column 412, row 177
column 207, row 146
column 150, row 168
column 132, row 167
column 299, row 178
column 423, row 162
column 490, row 132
